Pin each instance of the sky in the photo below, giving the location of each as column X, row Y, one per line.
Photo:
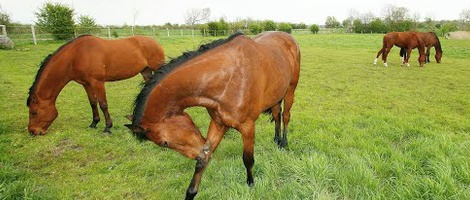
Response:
column 159, row 12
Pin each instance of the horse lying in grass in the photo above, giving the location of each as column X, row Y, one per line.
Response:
column 89, row 61
column 235, row 79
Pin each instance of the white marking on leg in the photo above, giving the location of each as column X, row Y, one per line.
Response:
column 385, row 65
column 408, row 64
column 375, row 61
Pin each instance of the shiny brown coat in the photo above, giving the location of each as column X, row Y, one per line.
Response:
column 235, row 82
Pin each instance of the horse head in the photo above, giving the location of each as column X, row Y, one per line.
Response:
column 177, row 132
column 41, row 114
column 438, row 56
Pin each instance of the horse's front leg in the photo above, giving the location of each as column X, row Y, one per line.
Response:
column 428, row 52
column 93, row 103
column 248, row 135
column 100, row 92
column 214, row 136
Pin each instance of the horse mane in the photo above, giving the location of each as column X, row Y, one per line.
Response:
column 141, row 99
column 43, row 65
column 437, row 45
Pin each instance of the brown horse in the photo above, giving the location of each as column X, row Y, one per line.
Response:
column 90, row 61
column 406, row 40
column 235, row 79
column 430, row 39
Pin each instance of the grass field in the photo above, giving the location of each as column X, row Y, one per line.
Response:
column 357, row 131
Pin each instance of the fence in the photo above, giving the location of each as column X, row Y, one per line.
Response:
column 34, row 34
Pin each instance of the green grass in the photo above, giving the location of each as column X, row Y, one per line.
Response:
column 357, row 131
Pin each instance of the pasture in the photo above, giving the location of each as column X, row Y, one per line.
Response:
column 357, row 131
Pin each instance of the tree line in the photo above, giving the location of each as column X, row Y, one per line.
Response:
column 58, row 19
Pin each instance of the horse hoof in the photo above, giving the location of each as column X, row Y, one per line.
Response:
column 107, row 132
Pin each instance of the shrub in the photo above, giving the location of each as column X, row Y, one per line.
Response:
column 269, row 25
column 314, row 28
column 285, row 27
column 255, row 28
column 57, row 19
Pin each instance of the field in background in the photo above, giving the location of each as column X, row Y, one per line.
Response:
column 357, row 131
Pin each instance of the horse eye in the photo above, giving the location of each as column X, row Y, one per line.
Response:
column 34, row 112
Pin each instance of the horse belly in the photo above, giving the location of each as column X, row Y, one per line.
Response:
column 120, row 72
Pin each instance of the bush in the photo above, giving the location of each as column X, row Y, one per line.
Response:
column 57, row 19
column 314, row 28
column 255, row 28
column 218, row 28
column 87, row 25
column 285, row 27
column 269, row 25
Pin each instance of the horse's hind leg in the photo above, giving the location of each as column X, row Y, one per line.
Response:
column 93, row 103
column 408, row 53
column 378, row 54
column 288, row 102
column 147, row 73
column 100, row 92
column 276, row 112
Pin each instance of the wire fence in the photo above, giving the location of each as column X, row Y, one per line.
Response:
column 31, row 34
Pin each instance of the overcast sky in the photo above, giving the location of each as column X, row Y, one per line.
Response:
column 158, row 12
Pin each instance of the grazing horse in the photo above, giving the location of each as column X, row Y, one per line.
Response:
column 407, row 40
column 235, row 79
column 430, row 39
column 89, row 61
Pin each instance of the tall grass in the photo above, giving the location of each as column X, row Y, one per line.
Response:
column 357, row 131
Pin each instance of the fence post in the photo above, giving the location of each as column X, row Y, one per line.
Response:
column 34, row 35
column 181, row 32
column 192, row 31
column 109, row 32
column 204, row 33
column 153, row 32
column 132, row 30
column 167, row 32
column 4, row 30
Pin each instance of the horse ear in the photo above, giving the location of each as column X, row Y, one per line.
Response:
column 135, row 128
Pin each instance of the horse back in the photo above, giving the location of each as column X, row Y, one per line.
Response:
column 112, row 60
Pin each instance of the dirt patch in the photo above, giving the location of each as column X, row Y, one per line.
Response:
column 459, row 35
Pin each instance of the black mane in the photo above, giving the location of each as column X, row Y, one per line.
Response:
column 140, row 101
column 43, row 65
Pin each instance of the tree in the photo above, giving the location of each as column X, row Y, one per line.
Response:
column 194, row 16
column 4, row 17
column 396, row 18
column 314, row 28
column 465, row 19
column 429, row 24
column 331, row 22
column 87, row 25
column 285, row 27
column 269, row 25
column 218, row 28
column 255, row 28
column 57, row 19
column 377, row 26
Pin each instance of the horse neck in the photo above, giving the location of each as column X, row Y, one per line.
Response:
column 437, row 45
column 53, row 79
column 172, row 97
